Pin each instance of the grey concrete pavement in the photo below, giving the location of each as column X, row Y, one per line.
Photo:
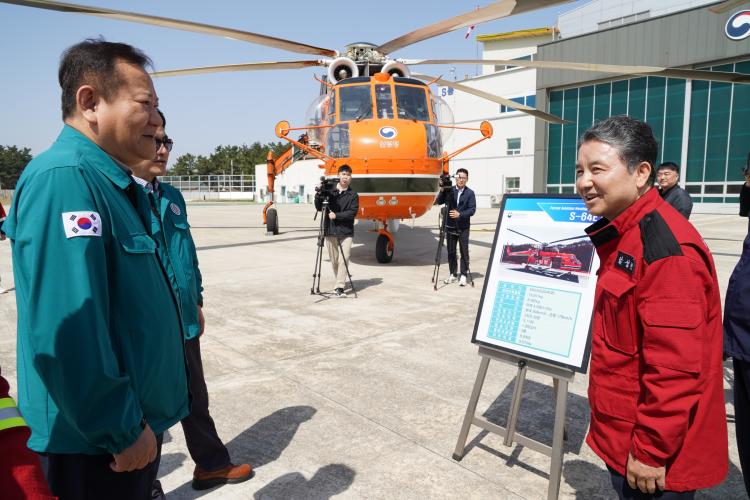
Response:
column 364, row 398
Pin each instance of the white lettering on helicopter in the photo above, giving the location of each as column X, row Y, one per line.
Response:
column 389, row 144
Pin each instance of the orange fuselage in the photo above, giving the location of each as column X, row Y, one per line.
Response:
column 393, row 175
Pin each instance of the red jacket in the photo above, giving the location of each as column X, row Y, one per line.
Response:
column 656, row 386
column 21, row 476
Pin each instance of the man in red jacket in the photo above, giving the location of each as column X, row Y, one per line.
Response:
column 21, row 476
column 655, row 386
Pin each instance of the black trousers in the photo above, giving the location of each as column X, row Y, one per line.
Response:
column 460, row 236
column 204, row 445
column 88, row 477
column 742, row 416
column 625, row 492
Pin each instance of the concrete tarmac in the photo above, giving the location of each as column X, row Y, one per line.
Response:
column 364, row 397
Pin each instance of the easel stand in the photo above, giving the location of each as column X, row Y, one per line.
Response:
column 561, row 378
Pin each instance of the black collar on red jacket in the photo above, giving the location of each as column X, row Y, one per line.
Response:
column 603, row 231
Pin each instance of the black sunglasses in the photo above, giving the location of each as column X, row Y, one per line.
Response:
column 166, row 142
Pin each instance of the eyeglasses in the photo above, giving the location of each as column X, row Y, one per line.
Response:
column 166, row 142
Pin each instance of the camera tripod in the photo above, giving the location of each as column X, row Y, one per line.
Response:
column 445, row 231
column 315, row 289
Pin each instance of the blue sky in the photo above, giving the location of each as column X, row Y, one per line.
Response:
column 204, row 111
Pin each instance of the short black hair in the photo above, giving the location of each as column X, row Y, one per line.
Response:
column 462, row 170
column 633, row 139
column 669, row 165
column 163, row 118
column 345, row 168
column 93, row 61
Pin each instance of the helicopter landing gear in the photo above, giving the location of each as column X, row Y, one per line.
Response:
column 384, row 247
column 271, row 218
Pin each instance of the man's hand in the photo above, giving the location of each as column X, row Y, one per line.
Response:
column 201, row 321
column 747, row 179
column 644, row 477
column 332, row 215
column 138, row 455
column 455, row 214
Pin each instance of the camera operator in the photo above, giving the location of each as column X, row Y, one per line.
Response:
column 460, row 204
column 737, row 337
column 339, row 228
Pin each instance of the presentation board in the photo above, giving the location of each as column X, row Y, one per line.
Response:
column 538, row 295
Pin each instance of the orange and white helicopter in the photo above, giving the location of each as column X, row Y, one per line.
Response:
column 373, row 114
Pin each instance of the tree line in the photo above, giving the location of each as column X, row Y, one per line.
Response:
column 224, row 160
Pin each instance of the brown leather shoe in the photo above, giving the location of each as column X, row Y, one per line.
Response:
column 203, row 480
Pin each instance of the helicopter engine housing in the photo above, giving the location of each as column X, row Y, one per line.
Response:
column 342, row 68
column 395, row 68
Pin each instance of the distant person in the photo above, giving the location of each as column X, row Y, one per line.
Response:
column 460, row 210
column 656, row 379
column 339, row 228
column 101, row 365
column 737, row 338
column 176, row 251
column 21, row 476
column 667, row 175
column 2, row 238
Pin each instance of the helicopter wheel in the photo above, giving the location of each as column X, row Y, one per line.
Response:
column 382, row 253
column 272, row 222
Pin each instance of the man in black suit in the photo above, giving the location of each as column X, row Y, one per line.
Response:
column 460, row 209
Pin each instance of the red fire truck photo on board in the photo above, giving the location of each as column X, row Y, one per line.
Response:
column 565, row 257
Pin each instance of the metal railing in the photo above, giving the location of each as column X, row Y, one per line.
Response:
column 213, row 187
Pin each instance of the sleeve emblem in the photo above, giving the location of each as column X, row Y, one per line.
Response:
column 81, row 224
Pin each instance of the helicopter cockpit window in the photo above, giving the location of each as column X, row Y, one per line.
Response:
column 411, row 103
column 355, row 103
column 331, row 108
column 383, row 101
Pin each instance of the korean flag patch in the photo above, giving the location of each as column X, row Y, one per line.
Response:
column 81, row 224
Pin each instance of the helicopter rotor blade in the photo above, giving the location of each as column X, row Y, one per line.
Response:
column 495, row 98
column 208, row 29
column 568, row 239
column 496, row 10
column 258, row 66
column 695, row 74
column 525, row 236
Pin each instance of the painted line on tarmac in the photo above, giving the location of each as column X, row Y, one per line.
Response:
column 251, row 243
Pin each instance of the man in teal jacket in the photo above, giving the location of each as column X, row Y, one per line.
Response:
column 101, row 368
column 176, row 251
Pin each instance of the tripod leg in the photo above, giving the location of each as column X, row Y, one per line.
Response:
column 319, row 254
column 346, row 265
column 438, row 253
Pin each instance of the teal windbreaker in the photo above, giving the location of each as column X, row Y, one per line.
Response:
column 176, row 250
column 99, row 337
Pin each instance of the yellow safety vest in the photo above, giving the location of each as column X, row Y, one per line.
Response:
column 9, row 414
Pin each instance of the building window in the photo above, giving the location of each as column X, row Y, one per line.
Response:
column 512, row 184
column 514, row 146
column 506, row 67
column 717, row 136
column 529, row 100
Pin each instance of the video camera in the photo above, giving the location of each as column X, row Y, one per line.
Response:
column 445, row 182
column 327, row 187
